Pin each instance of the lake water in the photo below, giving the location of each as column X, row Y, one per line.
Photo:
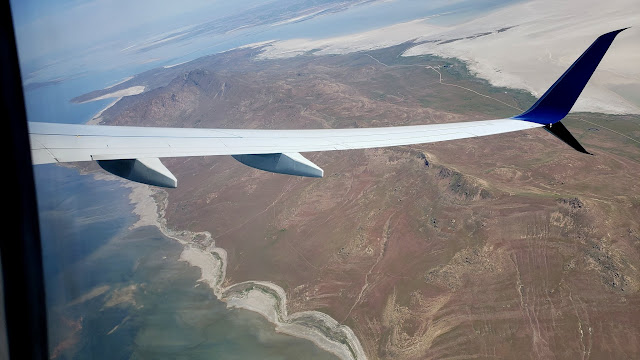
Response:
column 146, row 304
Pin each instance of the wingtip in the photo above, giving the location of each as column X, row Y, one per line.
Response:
column 616, row 32
column 558, row 100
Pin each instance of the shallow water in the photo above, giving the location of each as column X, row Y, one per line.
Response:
column 153, row 307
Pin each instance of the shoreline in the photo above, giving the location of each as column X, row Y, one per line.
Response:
column 118, row 95
column 133, row 90
column 262, row 297
column 120, row 82
column 97, row 118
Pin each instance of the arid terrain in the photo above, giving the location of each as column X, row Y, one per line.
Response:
column 509, row 246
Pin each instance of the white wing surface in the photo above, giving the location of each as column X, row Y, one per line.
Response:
column 133, row 152
column 52, row 143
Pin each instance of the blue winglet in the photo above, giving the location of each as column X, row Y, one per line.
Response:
column 555, row 104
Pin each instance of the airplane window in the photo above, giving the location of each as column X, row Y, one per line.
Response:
column 398, row 229
column 4, row 346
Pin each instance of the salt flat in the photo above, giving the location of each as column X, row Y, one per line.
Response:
column 524, row 46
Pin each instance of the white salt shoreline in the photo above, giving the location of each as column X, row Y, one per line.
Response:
column 133, row 90
column 118, row 95
column 174, row 65
column 265, row 298
column 95, row 120
column 120, row 82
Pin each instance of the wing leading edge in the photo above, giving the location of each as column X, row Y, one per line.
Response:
column 68, row 143
column 133, row 152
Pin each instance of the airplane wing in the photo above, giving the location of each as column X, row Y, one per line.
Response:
column 134, row 152
column 67, row 143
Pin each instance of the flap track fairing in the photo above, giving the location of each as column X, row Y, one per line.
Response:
column 149, row 171
column 282, row 163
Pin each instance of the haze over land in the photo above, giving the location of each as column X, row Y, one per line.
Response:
column 526, row 45
column 492, row 247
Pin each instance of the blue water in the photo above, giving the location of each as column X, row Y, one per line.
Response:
column 152, row 307
column 71, row 206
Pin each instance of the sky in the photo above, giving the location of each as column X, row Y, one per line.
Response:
column 60, row 40
column 53, row 27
